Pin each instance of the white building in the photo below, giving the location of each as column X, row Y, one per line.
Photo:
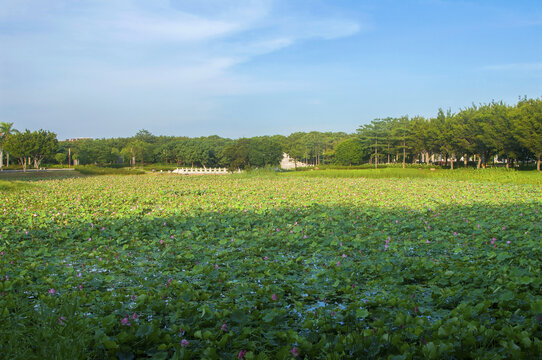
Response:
column 288, row 163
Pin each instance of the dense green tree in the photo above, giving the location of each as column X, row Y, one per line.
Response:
column 134, row 151
column 446, row 126
column 350, row 152
column 527, row 126
column 60, row 157
column 236, row 154
column 421, row 140
column 371, row 136
column 6, row 129
column 401, row 133
column 20, row 146
column 31, row 147
column 263, row 151
column 482, row 131
column 295, row 148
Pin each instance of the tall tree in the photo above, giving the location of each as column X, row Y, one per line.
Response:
column 294, row 147
column 401, row 133
column 421, row 139
column 264, row 150
column 36, row 145
column 350, row 152
column 527, row 122
column 6, row 129
column 446, row 124
column 370, row 135
column 236, row 154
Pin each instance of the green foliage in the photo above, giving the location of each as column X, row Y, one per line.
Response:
column 503, row 176
column 95, row 170
column 350, row 152
column 34, row 145
column 61, row 158
column 12, row 185
column 254, row 152
column 166, row 266
column 527, row 120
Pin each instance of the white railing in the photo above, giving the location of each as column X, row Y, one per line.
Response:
column 199, row 171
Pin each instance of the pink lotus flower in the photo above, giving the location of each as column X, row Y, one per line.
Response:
column 295, row 352
column 184, row 343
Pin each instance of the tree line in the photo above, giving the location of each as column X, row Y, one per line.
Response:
column 477, row 133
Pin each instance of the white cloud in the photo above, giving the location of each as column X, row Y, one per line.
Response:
column 68, row 52
column 536, row 66
column 184, row 27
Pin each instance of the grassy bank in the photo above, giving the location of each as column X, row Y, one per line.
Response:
column 38, row 175
column 95, row 170
column 12, row 185
column 503, row 176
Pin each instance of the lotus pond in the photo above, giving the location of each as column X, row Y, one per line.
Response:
column 166, row 266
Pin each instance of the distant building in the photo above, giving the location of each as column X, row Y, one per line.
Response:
column 79, row 138
column 288, row 163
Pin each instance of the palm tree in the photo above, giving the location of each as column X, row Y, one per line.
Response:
column 6, row 129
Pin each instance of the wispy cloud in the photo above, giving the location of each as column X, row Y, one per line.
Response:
column 132, row 33
column 111, row 59
column 181, row 28
column 536, row 66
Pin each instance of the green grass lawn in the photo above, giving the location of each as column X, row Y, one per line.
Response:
column 483, row 175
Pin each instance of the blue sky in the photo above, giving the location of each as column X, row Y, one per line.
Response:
column 107, row 68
